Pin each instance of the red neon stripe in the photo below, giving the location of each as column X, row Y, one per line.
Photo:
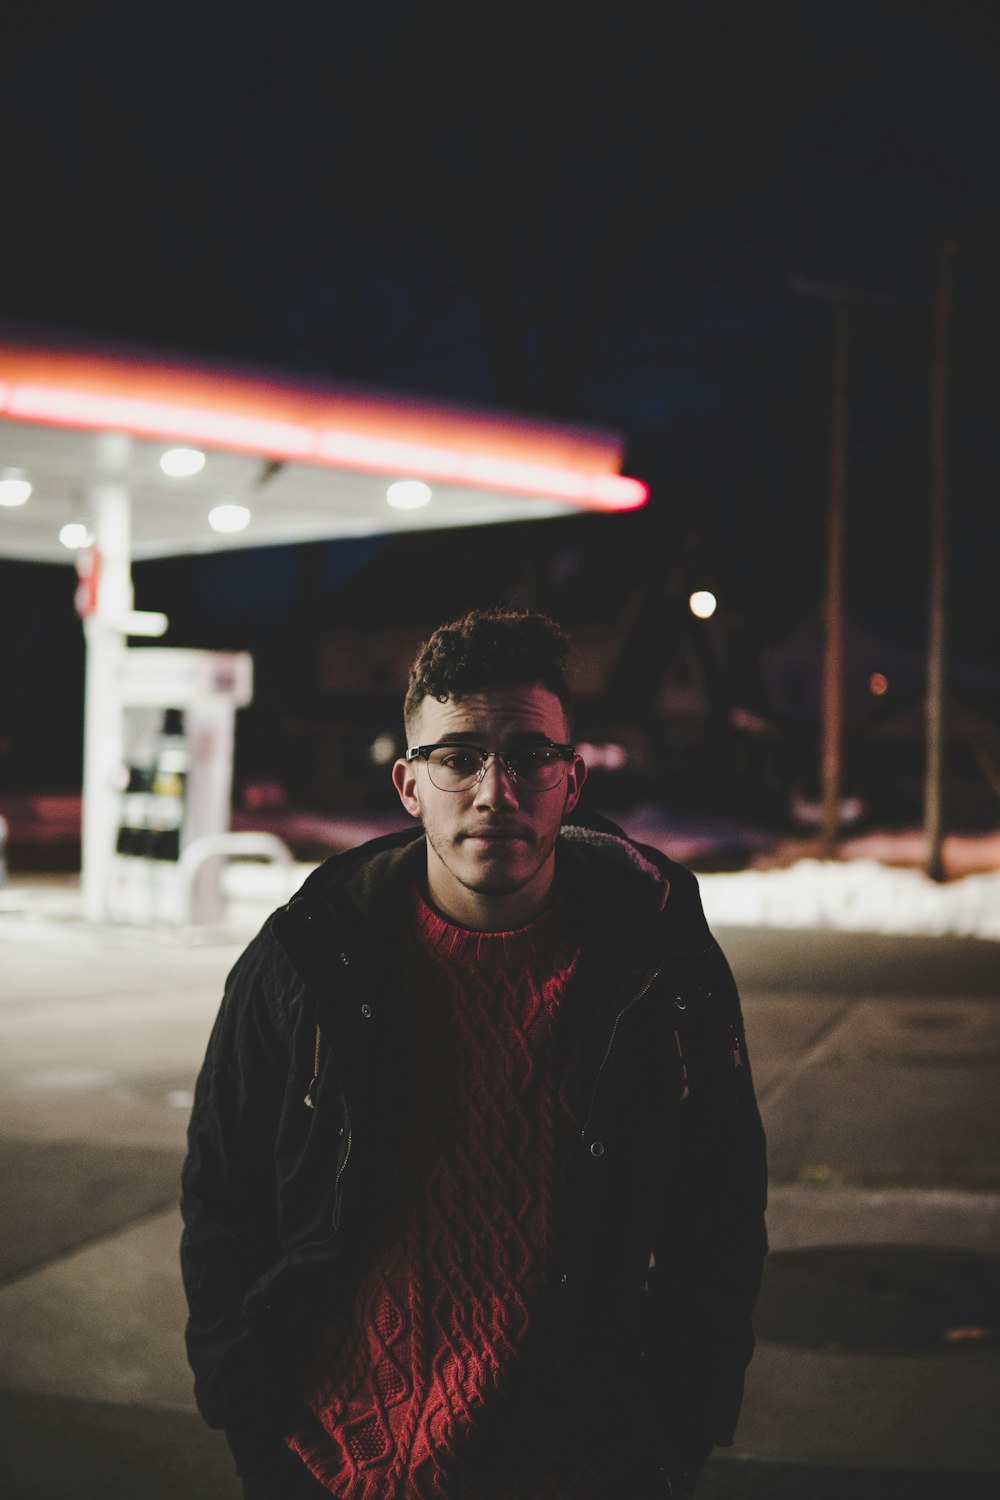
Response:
column 97, row 411
column 359, row 450
column 619, row 491
column 84, row 409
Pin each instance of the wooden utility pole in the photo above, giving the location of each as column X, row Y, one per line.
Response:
column 833, row 652
column 831, row 754
column 935, row 710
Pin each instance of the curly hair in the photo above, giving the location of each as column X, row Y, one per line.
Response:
column 490, row 648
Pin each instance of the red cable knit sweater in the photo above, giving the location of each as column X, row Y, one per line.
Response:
column 439, row 1320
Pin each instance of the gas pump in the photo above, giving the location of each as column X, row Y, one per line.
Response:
column 178, row 710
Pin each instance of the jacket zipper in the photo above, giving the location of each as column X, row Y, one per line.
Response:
column 310, row 1103
column 736, row 1059
column 340, row 1170
column 611, row 1042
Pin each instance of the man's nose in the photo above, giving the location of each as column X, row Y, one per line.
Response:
column 495, row 789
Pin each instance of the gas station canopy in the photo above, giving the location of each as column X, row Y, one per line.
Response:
column 299, row 460
column 108, row 456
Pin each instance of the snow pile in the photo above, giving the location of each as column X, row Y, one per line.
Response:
column 858, row 895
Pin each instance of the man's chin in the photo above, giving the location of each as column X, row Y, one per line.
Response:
column 500, row 858
column 495, row 883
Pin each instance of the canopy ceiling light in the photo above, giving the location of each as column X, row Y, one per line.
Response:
column 15, row 488
column 228, row 517
column 181, row 463
column 408, row 494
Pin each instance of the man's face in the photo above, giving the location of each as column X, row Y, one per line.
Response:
column 491, row 849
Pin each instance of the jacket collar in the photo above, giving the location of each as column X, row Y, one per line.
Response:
column 641, row 902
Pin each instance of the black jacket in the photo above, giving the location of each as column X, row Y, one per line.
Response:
column 293, row 1142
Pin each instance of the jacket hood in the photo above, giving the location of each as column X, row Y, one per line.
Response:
column 620, row 858
column 607, row 877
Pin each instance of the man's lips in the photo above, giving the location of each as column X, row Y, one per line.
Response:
column 497, row 835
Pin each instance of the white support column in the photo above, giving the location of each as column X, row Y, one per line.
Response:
column 105, row 639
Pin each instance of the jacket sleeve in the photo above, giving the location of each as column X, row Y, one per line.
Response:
column 711, row 1244
column 227, row 1185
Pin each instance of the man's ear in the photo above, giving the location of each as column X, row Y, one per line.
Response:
column 405, row 781
column 576, row 775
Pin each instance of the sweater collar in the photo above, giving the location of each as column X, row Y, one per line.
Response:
column 464, row 945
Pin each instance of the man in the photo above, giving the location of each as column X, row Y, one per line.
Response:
column 475, row 1185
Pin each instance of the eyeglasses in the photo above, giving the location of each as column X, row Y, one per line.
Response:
column 458, row 768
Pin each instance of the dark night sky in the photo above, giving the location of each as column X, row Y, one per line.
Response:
column 601, row 220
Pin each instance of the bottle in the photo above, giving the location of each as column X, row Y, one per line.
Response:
column 133, row 828
column 168, row 791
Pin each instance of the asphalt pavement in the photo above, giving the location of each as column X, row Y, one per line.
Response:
column 878, row 1066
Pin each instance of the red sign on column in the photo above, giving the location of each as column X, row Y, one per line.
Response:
column 88, row 568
